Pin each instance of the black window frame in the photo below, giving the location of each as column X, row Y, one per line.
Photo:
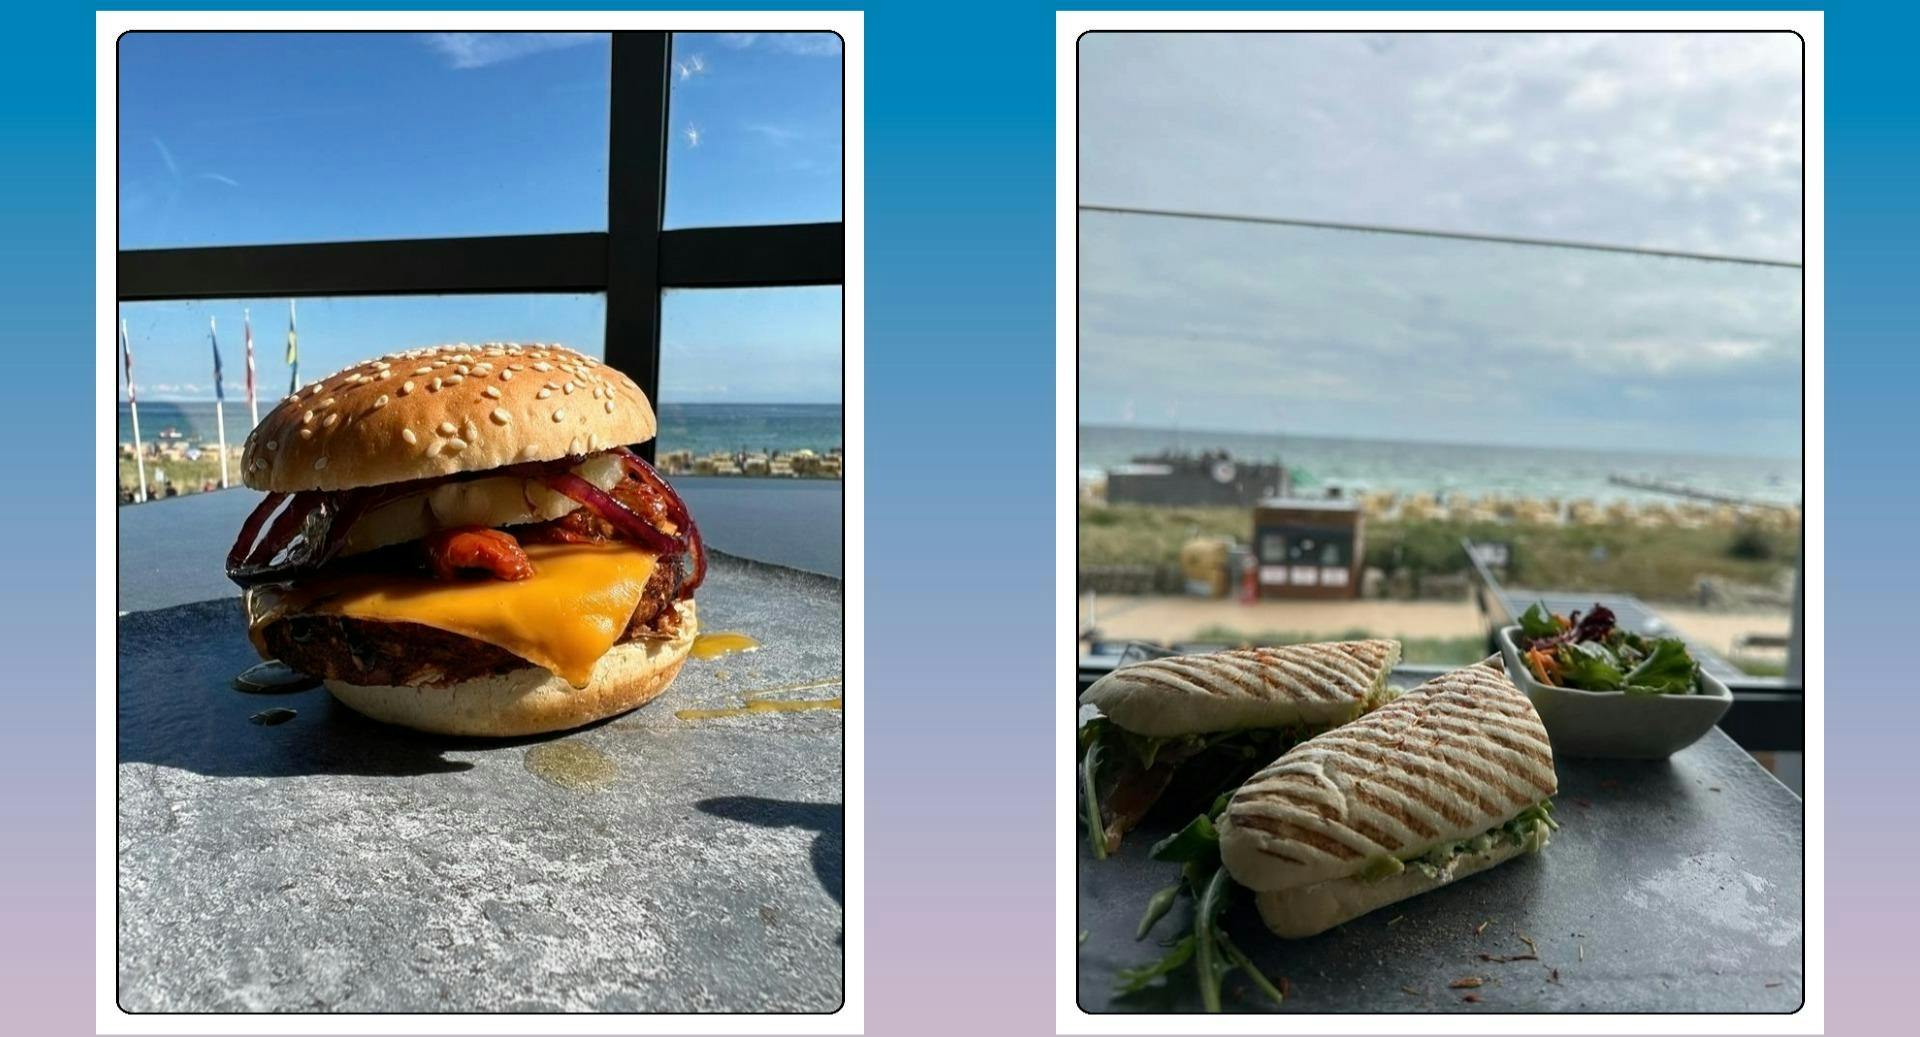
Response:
column 632, row 263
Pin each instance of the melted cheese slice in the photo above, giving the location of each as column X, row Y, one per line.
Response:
column 564, row 618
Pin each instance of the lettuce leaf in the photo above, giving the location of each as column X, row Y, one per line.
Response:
column 1134, row 980
column 1590, row 667
column 1536, row 622
column 1668, row 670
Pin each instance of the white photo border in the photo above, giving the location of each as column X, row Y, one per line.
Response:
column 850, row 1017
column 1069, row 26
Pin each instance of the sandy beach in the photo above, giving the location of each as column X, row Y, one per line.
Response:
column 1175, row 619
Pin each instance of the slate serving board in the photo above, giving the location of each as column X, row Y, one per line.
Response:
column 1679, row 880
column 331, row 864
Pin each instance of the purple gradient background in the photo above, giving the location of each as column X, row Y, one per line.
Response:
column 960, row 253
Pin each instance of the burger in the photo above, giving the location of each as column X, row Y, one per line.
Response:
column 462, row 540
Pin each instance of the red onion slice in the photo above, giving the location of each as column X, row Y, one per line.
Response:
column 630, row 525
column 677, row 513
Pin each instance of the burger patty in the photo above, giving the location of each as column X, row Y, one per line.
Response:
column 375, row 652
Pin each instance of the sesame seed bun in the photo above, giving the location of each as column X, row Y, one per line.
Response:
column 442, row 411
column 531, row 700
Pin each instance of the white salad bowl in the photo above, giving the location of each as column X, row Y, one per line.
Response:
column 1613, row 724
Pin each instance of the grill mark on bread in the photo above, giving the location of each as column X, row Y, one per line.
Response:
column 1289, row 832
column 1461, row 754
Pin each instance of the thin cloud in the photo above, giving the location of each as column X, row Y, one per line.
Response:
column 775, row 133
column 695, row 65
column 481, row 49
column 802, row 44
column 219, row 178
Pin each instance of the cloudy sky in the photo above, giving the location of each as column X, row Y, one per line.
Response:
column 1677, row 142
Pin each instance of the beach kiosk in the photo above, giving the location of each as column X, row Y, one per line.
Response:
column 1308, row 548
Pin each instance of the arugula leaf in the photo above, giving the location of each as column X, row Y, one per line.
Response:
column 1253, row 971
column 1589, row 667
column 1536, row 622
column 1197, row 841
column 1089, row 772
column 1667, row 670
column 1213, row 900
column 1157, row 909
column 1134, row 980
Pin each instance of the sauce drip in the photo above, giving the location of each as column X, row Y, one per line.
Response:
column 759, row 705
column 721, row 642
column 571, row 765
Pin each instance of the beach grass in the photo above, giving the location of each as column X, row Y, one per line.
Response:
column 1656, row 564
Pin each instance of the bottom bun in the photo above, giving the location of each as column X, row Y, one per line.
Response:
column 1310, row 910
column 532, row 700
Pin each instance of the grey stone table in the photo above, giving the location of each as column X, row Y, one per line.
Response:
column 331, row 864
column 1672, row 886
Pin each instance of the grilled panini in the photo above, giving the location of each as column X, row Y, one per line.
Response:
column 1449, row 779
column 1210, row 720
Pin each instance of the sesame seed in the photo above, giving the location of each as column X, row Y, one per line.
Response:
column 470, row 430
column 407, row 434
column 448, row 428
column 306, row 433
column 491, row 392
column 543, row 394
column 628, row 382
column 506, row 376
column 332, row 420
column 500, row 416
column 462, row 369
column 319, row 462
column 307, row 418
column 423, row 369
column 386, row 372
column 272, row 445
column 559, row 414
column 574, row 447
column 553, row 385
column 593, row 441
column 454, row 379
column 406, row 387
column 454, row 445
column 435, row 387
column 543, row 367
column 529, row 450
column 569, row 388
column 324, row 404
column 516, row 367
column 381, row 402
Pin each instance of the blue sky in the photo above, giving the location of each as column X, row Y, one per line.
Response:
column 269, row 138
column 1663, row 141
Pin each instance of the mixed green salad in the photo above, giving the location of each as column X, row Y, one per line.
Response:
column 1589, row 652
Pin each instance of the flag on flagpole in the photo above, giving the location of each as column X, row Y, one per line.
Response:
column 293, row 353
column 219, row 398
column 253, row 403
column 133, row 407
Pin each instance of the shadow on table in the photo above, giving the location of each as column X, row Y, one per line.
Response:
column 323, row 737
column 828, row 820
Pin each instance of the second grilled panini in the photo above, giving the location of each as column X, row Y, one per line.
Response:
column 1449, row 779
column 1209, row 720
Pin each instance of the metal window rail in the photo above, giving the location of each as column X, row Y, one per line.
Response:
column 631, row 262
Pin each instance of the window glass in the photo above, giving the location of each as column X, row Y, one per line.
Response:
column 173, row 347
column 267, row 138
column 754, row 129
column 1611, row 426
column 750, row 382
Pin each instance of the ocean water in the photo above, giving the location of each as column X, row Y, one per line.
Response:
column 1358, row 465
column 700, row 427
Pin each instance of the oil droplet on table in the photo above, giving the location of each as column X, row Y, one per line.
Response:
column 273, row 678
column 721, row 642
column 571, row 765
column 270, row 717
column 759, row 706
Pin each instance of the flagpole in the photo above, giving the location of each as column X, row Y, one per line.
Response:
column 133, row 406
column 253, row 402
column 219, row 400
column 293, row 352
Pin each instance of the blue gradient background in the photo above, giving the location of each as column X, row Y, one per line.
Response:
column 961, row 609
